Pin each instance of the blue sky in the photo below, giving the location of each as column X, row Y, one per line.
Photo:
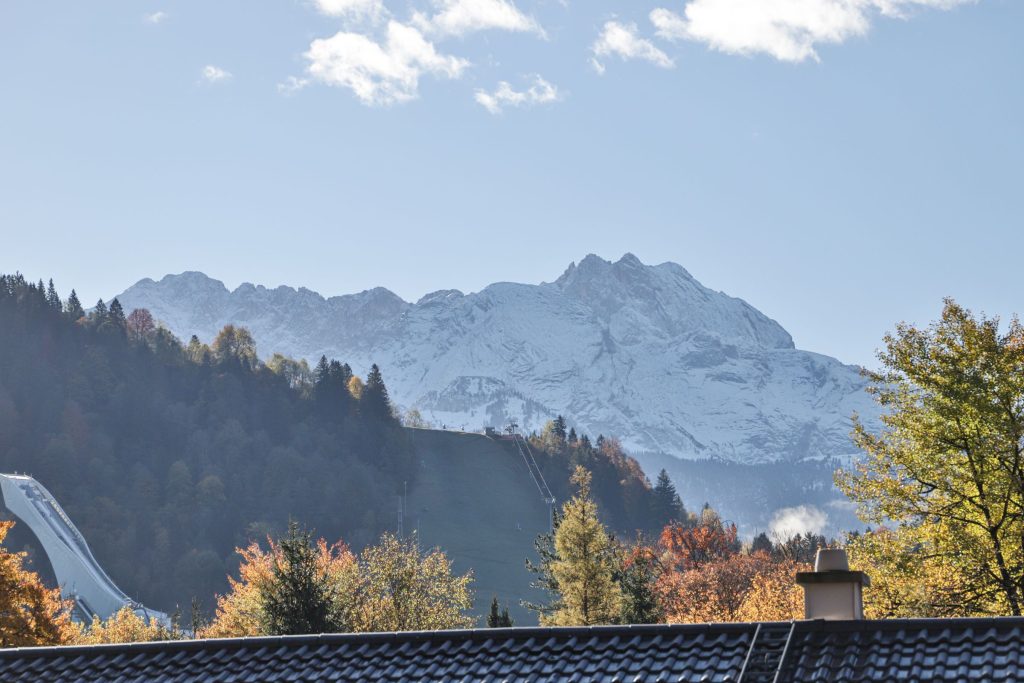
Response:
column 840, row 164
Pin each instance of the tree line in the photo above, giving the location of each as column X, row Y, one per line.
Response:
column 941, row 485
column 168, row 455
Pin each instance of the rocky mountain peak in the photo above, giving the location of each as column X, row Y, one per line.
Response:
column 643, row 352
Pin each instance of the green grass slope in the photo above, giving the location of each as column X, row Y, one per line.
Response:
column 475, row 499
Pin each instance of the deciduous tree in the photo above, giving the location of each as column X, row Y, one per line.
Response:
column 30, row 613
column 947, row 468
column 124, row 626
column 400, row 588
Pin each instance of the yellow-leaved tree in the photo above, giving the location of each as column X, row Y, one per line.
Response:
column 242, row 611
column 398, row 587
column 124, row 626
column 30, row 613
column 947, row 469
column 584, row 564
column 391, row 586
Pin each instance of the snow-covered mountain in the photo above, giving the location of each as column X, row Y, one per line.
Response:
column 642, row 352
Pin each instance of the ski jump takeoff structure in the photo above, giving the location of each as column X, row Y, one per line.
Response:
column 79, row 575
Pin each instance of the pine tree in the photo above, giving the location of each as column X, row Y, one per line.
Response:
column 299, row 596
column 559, row 428
column 52, row 298
column 73, row 308
column 496, row 619
column 375, row 402
column 322, row 373
column 117, row 317
column 544, row 578
column 586, row 563
column 666, row 502
column 99, row 313
column 638, row 578
column 762, row 543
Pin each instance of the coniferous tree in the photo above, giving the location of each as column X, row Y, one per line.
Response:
column 116, row 316
column 99, row 314
column 339, row 375
column 73, row 308
column 322, row 373
column 559, row 428
column 544, row 579
column 668, row 507
column 762, row 543
column 496, row 619
column 586, row 563
column 52, row 298
column 299, row 597
column 638, row 578
column 375, row 402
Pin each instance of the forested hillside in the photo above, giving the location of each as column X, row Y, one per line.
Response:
column 168, row 455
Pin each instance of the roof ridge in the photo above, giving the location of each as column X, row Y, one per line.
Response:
column 475, row 634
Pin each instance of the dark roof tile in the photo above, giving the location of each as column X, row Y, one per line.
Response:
column 840, row 652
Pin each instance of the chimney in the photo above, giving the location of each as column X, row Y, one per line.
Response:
column 832, row 591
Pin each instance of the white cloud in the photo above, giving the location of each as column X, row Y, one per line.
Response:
column 380, row 73
column 788, row 30
column 156, row 17
column 292, row 85
column 622, row 40
column 541, row 92
column 460, row 17
column 352, row 9
column 215, row 74
column 788, row 522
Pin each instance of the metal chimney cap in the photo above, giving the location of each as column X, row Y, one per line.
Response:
column 831, row 559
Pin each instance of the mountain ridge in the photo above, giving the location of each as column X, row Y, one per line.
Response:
column 644, row 352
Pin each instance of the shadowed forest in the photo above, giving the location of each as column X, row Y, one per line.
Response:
column 169, row 455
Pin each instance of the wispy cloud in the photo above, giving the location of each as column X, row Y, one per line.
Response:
column 461, row 17
column 540, row 92
column 789, row 30
column 803, row 519
column 352, row 9
column 292, row 85
column 215, row 74
column 380, row 73
column 155, row 17
column 623, row 40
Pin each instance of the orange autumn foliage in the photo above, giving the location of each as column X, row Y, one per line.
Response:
column 713, row 592
column 692, row 547
column 707, row 579
column 239, row 612
column 773, row 594
column 30, row 613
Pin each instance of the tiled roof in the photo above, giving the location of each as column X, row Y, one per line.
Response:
column 912, row 650
column 908, row 650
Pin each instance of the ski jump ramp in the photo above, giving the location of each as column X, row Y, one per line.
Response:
column 79, row 575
